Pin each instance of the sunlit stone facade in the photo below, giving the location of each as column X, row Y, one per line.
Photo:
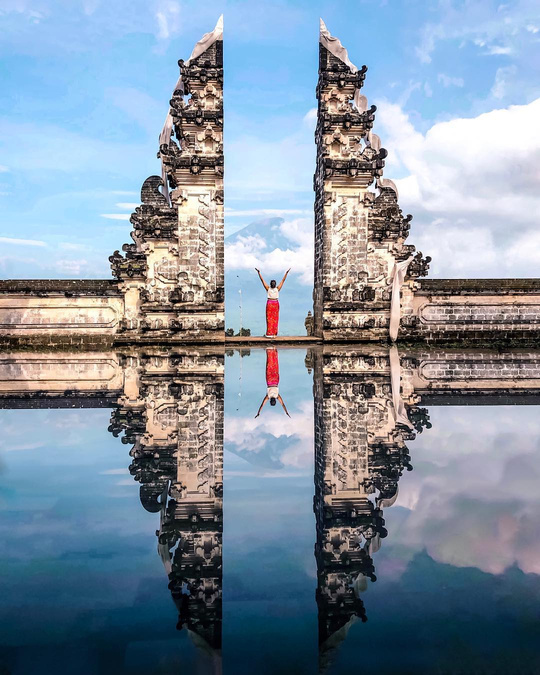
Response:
column 172, row 276
column 360, row 231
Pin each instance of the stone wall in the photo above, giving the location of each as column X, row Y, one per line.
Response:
column 60, row 312
column 474, row 311
column 170, row 280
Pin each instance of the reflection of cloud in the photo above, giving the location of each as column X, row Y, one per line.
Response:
column 67, row 427
column 473, row 496
column 23, row 446
column 273, row 440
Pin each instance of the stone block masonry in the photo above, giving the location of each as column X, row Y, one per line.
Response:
column 172, row 276
column 475, row 311
column 60, row 312
column 359, row 231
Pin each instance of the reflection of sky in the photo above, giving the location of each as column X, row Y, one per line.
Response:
column 269, row 610
column 457, row 589
column 83, row 590
column 273, row 444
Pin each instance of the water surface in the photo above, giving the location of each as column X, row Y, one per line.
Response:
column 419, row 553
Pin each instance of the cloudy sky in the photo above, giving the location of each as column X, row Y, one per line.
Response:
column 86, row 87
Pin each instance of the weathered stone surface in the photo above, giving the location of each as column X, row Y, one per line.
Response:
column 59, row 312
column 172, row 276
column 475, row 311
column 360, row 454
column 359, row 232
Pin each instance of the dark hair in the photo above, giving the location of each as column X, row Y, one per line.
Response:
column 273, row 283
column 272, row 401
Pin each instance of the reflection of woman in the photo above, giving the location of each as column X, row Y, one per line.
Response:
column 272, row 380
column 272, row 304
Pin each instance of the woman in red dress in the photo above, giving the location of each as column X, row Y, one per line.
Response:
column 272, row 380
column 272, row 304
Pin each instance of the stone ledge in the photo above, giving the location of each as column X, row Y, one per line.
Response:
column 68, row 287
column 50, row 341
column 478, row 286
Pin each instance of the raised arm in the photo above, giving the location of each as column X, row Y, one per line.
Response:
column 284, row 406
column 283, row 280
column 262, row 406
column 263, row 282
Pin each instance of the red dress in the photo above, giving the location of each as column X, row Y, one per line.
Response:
column 272, row 313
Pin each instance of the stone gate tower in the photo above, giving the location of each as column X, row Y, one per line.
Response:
column 359, row 232
column 172, row 276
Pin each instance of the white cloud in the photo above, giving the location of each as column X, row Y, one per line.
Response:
column 3, row 169
column 448, row 81
column 310, row 118
column 71, row 266
column 69, row 246
column 498, row 50
column 168, row 19
column 22, row 7
column 127, row 205
column 251, row 251
column 497, row 32
column 502, row 77
column 116, row 216
column 473, row 186
column 430, row 35
column 22, row 242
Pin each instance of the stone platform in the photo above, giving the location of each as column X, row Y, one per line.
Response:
column 281, row 340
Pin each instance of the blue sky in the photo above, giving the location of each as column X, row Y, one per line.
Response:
column 85, row 90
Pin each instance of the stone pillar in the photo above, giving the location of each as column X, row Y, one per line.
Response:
column 173, row 274
column 174, row 420
column 359, row 231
